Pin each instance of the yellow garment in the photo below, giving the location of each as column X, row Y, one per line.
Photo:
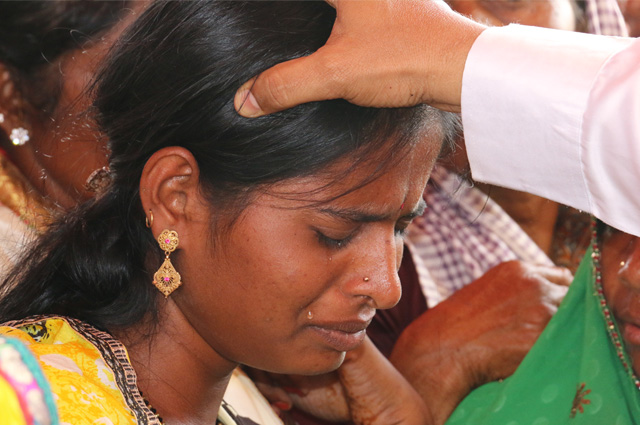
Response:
column 24, row 214
column 90, row 373
column 18, row 195
column 84, row 384
column 9, row 405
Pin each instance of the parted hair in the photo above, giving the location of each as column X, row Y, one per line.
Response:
column 170, row 81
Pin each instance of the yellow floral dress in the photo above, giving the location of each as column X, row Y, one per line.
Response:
column 89, row 372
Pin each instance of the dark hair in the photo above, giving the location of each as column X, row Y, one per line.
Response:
column 33, row 34
column 170, row 81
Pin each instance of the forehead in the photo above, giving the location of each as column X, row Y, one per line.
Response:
column 383, row 177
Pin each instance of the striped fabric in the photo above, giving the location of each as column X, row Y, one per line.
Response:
column 604, row 17
column 462, row 234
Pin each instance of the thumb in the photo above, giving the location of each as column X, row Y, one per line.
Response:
column 284, row 86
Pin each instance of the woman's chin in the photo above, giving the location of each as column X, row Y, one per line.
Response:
column 318, row 364
column 331, row 365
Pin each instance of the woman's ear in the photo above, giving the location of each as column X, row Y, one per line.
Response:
column 12, row 110
column 169, row 190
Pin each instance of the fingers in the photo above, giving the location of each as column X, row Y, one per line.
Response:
column 558, row 275
column 283, row 86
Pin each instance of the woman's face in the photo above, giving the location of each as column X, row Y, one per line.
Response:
column 558, row 14
column 621, row 284
column 296, row 281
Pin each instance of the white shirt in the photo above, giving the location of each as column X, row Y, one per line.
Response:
column 557, row 114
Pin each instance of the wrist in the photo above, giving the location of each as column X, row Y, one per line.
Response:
column 436, row 366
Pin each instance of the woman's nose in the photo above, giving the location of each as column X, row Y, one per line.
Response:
column 630, row 266
column 379, row 281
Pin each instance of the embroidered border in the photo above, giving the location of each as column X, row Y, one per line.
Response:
column 114, row 354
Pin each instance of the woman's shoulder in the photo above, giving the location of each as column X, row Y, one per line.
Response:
column 88, row 370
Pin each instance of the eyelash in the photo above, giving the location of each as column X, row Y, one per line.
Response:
column 341, row 243
column 334, row 243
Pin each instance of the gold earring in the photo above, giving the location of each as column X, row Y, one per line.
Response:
column 148, row 221
column 167, row 279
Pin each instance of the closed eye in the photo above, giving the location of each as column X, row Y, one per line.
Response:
column 334, row 243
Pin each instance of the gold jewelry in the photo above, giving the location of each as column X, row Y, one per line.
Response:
column 167, row 279
column 622, row 263
column 148, row 221
column 366, row 279
column 309, row 315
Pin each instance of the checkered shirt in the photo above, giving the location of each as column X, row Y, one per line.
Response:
column 462, row 234
column 604, row 17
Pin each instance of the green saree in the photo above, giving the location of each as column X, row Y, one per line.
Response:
column 576, row 373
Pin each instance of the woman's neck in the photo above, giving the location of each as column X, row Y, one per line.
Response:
column 180, row 375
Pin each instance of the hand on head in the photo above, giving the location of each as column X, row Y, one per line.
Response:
column 380, row 53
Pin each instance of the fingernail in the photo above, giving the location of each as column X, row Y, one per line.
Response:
column 246, row 104
column 282, row 405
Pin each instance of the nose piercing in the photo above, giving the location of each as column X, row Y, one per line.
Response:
column 622, row 263
column 366, row 279
column 309, row 315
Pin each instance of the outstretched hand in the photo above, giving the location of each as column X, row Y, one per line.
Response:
column 381, row 53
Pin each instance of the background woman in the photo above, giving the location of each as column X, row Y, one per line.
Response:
column 584, row 367
column 287, row 229
column 51, row 155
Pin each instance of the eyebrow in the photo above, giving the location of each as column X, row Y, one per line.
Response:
column 357, row 216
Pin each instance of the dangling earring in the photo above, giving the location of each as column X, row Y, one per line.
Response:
column 19, row 136
column 167, row 279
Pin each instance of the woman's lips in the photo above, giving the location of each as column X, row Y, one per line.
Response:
column 344, row 336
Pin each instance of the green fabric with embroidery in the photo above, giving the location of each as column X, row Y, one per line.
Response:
column 572, row 375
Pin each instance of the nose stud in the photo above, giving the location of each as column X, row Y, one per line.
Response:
column 366, row 279
column 622, row 263
column 309, row 315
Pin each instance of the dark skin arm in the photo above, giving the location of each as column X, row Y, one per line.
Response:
column 480, row 334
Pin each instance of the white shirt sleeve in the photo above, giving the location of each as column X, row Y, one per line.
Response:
column 557, row 114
